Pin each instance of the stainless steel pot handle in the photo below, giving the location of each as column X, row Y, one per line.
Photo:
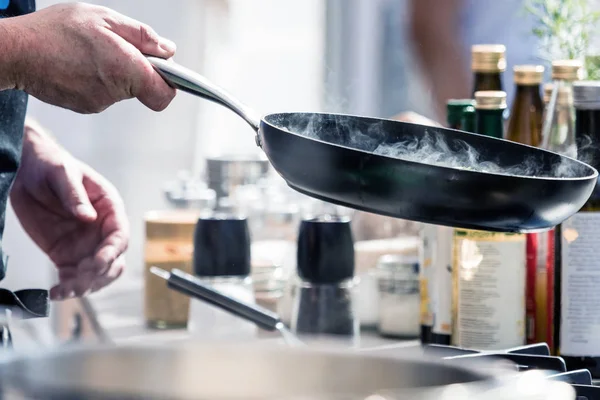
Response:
column 191, row 82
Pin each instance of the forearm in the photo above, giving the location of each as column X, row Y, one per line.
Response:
column 437, row 45
column 11, row 50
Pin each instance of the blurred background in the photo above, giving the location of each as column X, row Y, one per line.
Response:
column 368, row 57
column 343, row 56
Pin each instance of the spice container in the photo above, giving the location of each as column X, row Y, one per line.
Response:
column 399, row 300
column 169, row 244
column 324, row 303
column 222, row 260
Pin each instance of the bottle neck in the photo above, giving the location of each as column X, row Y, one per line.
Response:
column 487, row 81
column 490, row 122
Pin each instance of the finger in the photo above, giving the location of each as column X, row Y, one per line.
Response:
column 142, row 36
column 112, row 274
column 149, row 87
column 67, row 182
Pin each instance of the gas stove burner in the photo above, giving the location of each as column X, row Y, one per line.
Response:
column 530, row 357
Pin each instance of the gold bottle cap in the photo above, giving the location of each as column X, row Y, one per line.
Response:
column 528, row 74
column 490, row 100
column 564, row 96
column 488, row 58
column 567, row 70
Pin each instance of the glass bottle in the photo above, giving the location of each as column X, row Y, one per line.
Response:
column 577, row 275
column 489, row 110
column 525, row 126
column 558, row 124
column 455, row 109
column 558, row 135
column 469, row 120
column 525, row 123
column 488, row 268
column 488, row 63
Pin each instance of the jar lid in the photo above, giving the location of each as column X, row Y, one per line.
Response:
column 586, row 94
column 490, row 100
column 488, row 58
column 564, row 97
column 567, row 70
column 397, row 263
column 528, row 74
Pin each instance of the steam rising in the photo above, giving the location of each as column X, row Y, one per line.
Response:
column 432, row 148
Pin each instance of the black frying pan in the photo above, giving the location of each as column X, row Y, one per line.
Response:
column 330, row 165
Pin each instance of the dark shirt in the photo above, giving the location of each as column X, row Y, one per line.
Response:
column 13, row 106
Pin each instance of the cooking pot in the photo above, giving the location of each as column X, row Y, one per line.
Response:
column 206, row 371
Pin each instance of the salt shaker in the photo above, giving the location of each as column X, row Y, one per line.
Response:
column 399, row 299
column 222, row 260
column 324, row 303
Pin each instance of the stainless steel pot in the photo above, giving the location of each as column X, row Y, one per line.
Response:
column 216, row 372
column 225, row 173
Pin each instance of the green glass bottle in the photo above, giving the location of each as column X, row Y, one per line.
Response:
column 455, row 109
column 468, row 123
column 489, row 110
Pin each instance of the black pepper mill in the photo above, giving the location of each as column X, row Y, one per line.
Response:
column 324, row 303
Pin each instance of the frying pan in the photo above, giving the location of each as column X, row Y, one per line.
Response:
column 318, row 155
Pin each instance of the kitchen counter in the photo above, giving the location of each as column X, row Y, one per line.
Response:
column 119, row 310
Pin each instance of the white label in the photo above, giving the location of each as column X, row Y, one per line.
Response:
column 490, row 287
column 442, row 281
column 428, row 239
column 580, row 285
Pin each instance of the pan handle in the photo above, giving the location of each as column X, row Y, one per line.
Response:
column 191, row 82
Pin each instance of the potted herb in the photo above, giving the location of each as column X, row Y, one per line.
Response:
column 565, row 28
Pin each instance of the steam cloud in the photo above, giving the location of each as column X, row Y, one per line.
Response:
column 432, row 148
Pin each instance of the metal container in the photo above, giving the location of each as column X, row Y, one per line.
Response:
column 227, row 172
column 218, row 372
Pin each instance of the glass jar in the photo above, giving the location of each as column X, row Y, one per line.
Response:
column 399, row 300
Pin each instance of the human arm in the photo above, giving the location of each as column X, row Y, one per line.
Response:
column 72, row 213
column 83, row 57
column 435, row 33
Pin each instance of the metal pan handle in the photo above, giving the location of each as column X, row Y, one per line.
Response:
column 191, row 82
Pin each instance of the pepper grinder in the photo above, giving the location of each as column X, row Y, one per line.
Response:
column 324, row 304
column 222, row 260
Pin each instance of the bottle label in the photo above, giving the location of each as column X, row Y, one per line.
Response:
column 580, row 286
column 428, row 238
column 489, row 289
column 442, row 282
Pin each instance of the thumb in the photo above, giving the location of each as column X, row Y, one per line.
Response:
column 68, row 185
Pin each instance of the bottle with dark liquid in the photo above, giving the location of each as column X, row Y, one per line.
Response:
column 490, row 106
column 525, row 123
column 525, row 126
column 488, row 63
column 577, row 277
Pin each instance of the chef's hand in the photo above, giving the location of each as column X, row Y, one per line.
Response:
column 72, row 213
column 83, row 57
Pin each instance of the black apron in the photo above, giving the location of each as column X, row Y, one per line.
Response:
column 13, row 106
